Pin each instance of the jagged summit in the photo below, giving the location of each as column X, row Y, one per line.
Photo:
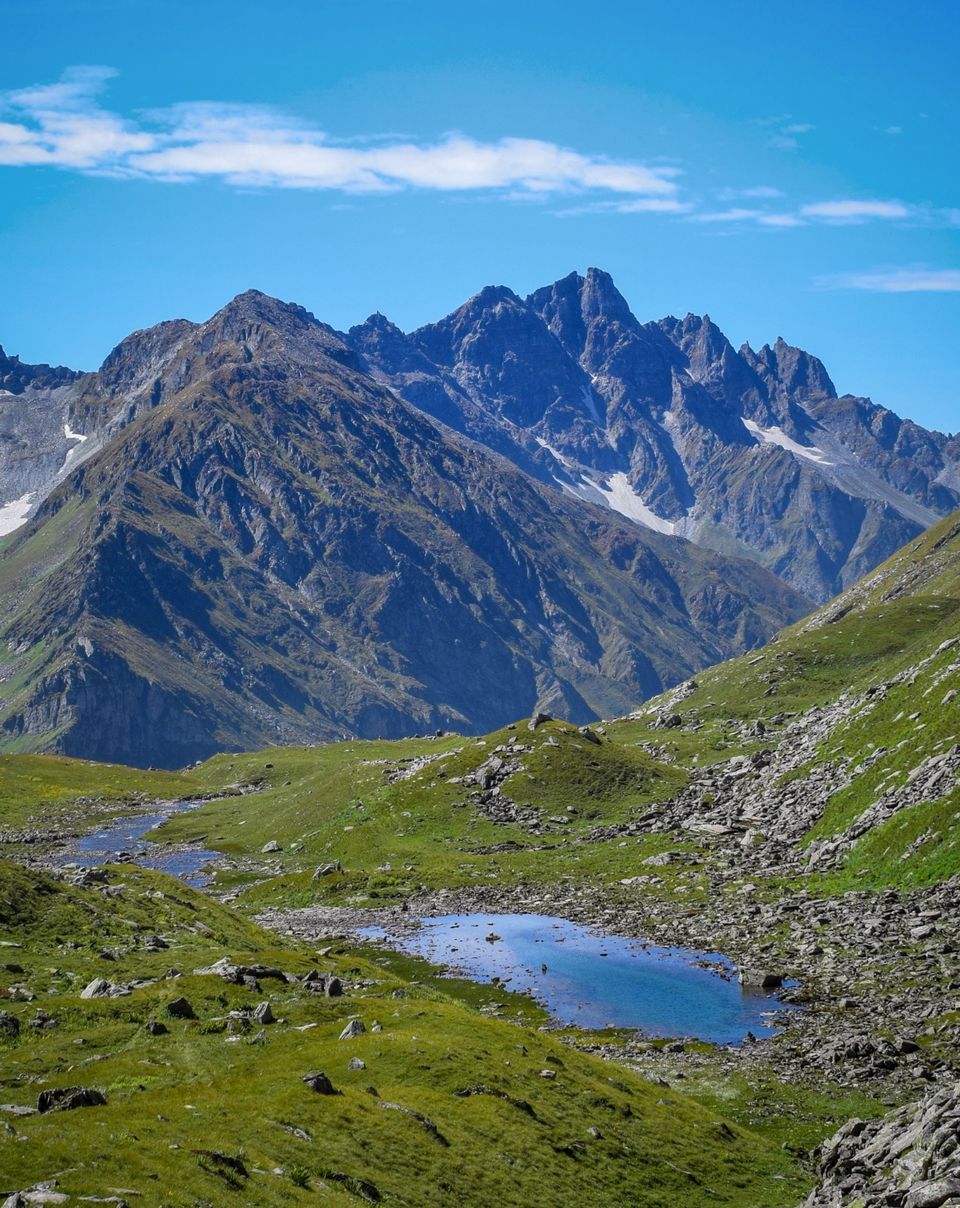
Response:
column 669, row 424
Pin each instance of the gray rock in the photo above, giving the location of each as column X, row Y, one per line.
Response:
column 320, row 1083
column 98, row 988
column 327, row 870
column 69, row 1097
column 263, row 1013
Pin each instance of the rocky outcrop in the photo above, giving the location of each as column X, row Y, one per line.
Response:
column 907, row 1159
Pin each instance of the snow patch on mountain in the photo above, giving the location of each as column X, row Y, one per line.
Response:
column 71, row 453
column 622, row 498
column 777, row 436
column 14, row 514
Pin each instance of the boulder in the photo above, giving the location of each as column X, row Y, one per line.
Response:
column 327, row 870
column 759, row 979
column 179, row 1008
column 320, row 1083
column 263, row 1013
column 98, row 988
column 65, row 1098
column 354, row 1028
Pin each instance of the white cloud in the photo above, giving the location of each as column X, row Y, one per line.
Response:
column 744, row 214
column 851, row 210
column 753, row 193
column 734, row 214
column 64, row 125
column 761, row 191
column 899, row 281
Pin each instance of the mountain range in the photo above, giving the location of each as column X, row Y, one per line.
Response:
column 258, row 529
column 250, row 540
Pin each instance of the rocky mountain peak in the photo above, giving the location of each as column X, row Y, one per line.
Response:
column 270, row 330
column 800, row 373
column 600, row 299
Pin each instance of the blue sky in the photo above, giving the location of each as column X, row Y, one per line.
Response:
column 791, row 170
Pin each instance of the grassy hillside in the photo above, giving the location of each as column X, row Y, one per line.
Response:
column 339, row 803
column 47, row 790
column 449, row 1105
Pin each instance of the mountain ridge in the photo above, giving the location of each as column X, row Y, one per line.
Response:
column 668, row 423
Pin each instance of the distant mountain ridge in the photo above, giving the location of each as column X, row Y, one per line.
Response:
column 741, row 451
column 248, row 540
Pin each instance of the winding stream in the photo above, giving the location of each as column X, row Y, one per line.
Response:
column 130, row 837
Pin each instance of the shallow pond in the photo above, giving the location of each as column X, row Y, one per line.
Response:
column 592, row 980
column 130, row 835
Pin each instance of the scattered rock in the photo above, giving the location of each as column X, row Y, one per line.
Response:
column 66, row 1098
column 320, row 1083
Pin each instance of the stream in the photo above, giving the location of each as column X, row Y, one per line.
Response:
column 129, row 837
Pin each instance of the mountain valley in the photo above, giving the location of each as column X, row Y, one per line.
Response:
column 794, row 808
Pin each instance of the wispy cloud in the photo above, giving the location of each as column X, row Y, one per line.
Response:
column 745, row 214
column 898, row 281
column 786, row 136
column 65, row 125
column 751, row 193
column 853, row 210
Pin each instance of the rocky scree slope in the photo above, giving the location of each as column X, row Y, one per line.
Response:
column 667, row 423
column 274, row 548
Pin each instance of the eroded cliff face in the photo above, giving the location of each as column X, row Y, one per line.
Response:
column 268, row 546
column 740, row 451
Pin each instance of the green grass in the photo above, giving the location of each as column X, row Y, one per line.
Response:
column 333, row 803
column 41, row 789
column 184, row 1108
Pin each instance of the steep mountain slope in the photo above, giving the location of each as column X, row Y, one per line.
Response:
column 270, row 547
column 856, row 710
column 747, row 452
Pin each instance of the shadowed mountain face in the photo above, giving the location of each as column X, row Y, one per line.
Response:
column 741, row 451
column 251, row 541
